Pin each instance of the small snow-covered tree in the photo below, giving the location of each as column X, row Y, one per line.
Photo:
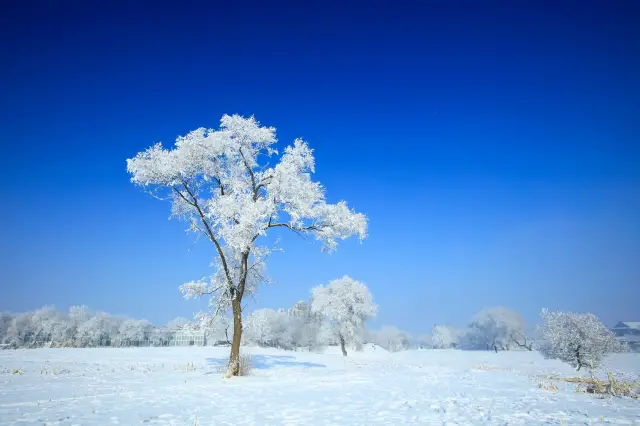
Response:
column 495, row 328
column 346, row 304
column 392, row 339
column 259, row 327
column 579, row 339
column 443, row 337
column 222, row 183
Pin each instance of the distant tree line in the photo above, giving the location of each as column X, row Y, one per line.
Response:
column 79, row 328
column 335, row 315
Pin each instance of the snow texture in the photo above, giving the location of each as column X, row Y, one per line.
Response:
column 184, row 386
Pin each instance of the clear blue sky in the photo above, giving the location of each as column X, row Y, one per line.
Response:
column 494, row 147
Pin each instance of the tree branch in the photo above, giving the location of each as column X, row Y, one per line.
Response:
column 191, row 203
column 253, row 177
column 209, row 232
column 243, row 275
column 217, row 179
column 295, row 229
column 263, row 183
column 524, row 344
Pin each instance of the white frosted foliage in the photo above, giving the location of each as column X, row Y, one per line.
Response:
column 443, row 337
column 496, row 327
column 579, row 339
column 231, row 186
column 346, row 304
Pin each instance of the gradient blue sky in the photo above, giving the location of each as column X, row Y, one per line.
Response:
column 493, row 145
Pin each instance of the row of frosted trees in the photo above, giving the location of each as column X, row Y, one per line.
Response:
column 335, row 316
column 79, row 328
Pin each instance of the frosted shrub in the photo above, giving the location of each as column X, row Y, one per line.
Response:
column 581, row 340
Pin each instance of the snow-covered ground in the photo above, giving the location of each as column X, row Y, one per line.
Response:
column 183, row 386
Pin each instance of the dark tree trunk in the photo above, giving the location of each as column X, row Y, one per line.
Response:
column 578, row 357
column 234, row 358
column 236, row 306
column 344, row 350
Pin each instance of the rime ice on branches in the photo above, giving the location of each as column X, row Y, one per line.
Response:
column 231, row 186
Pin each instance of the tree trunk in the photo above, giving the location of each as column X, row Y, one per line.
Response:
column 344, row 350
column 226, row 334
column 578, row 357
column 234, row 358
column 236, row 306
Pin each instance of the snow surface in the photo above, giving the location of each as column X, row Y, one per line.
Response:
column 184, row 386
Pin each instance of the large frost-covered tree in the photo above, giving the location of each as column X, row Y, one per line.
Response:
column 224, row 184
column 347, row 304
column 579, row 339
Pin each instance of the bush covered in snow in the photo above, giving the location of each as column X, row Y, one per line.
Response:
column 579, row 339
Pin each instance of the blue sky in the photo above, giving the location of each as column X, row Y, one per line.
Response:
column 493, row 145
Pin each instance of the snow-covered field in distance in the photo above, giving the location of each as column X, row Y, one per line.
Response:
column 183, row 386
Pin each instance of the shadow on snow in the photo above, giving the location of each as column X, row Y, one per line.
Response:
column 265, row 362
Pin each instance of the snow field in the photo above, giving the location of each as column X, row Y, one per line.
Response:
column 184, row 386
